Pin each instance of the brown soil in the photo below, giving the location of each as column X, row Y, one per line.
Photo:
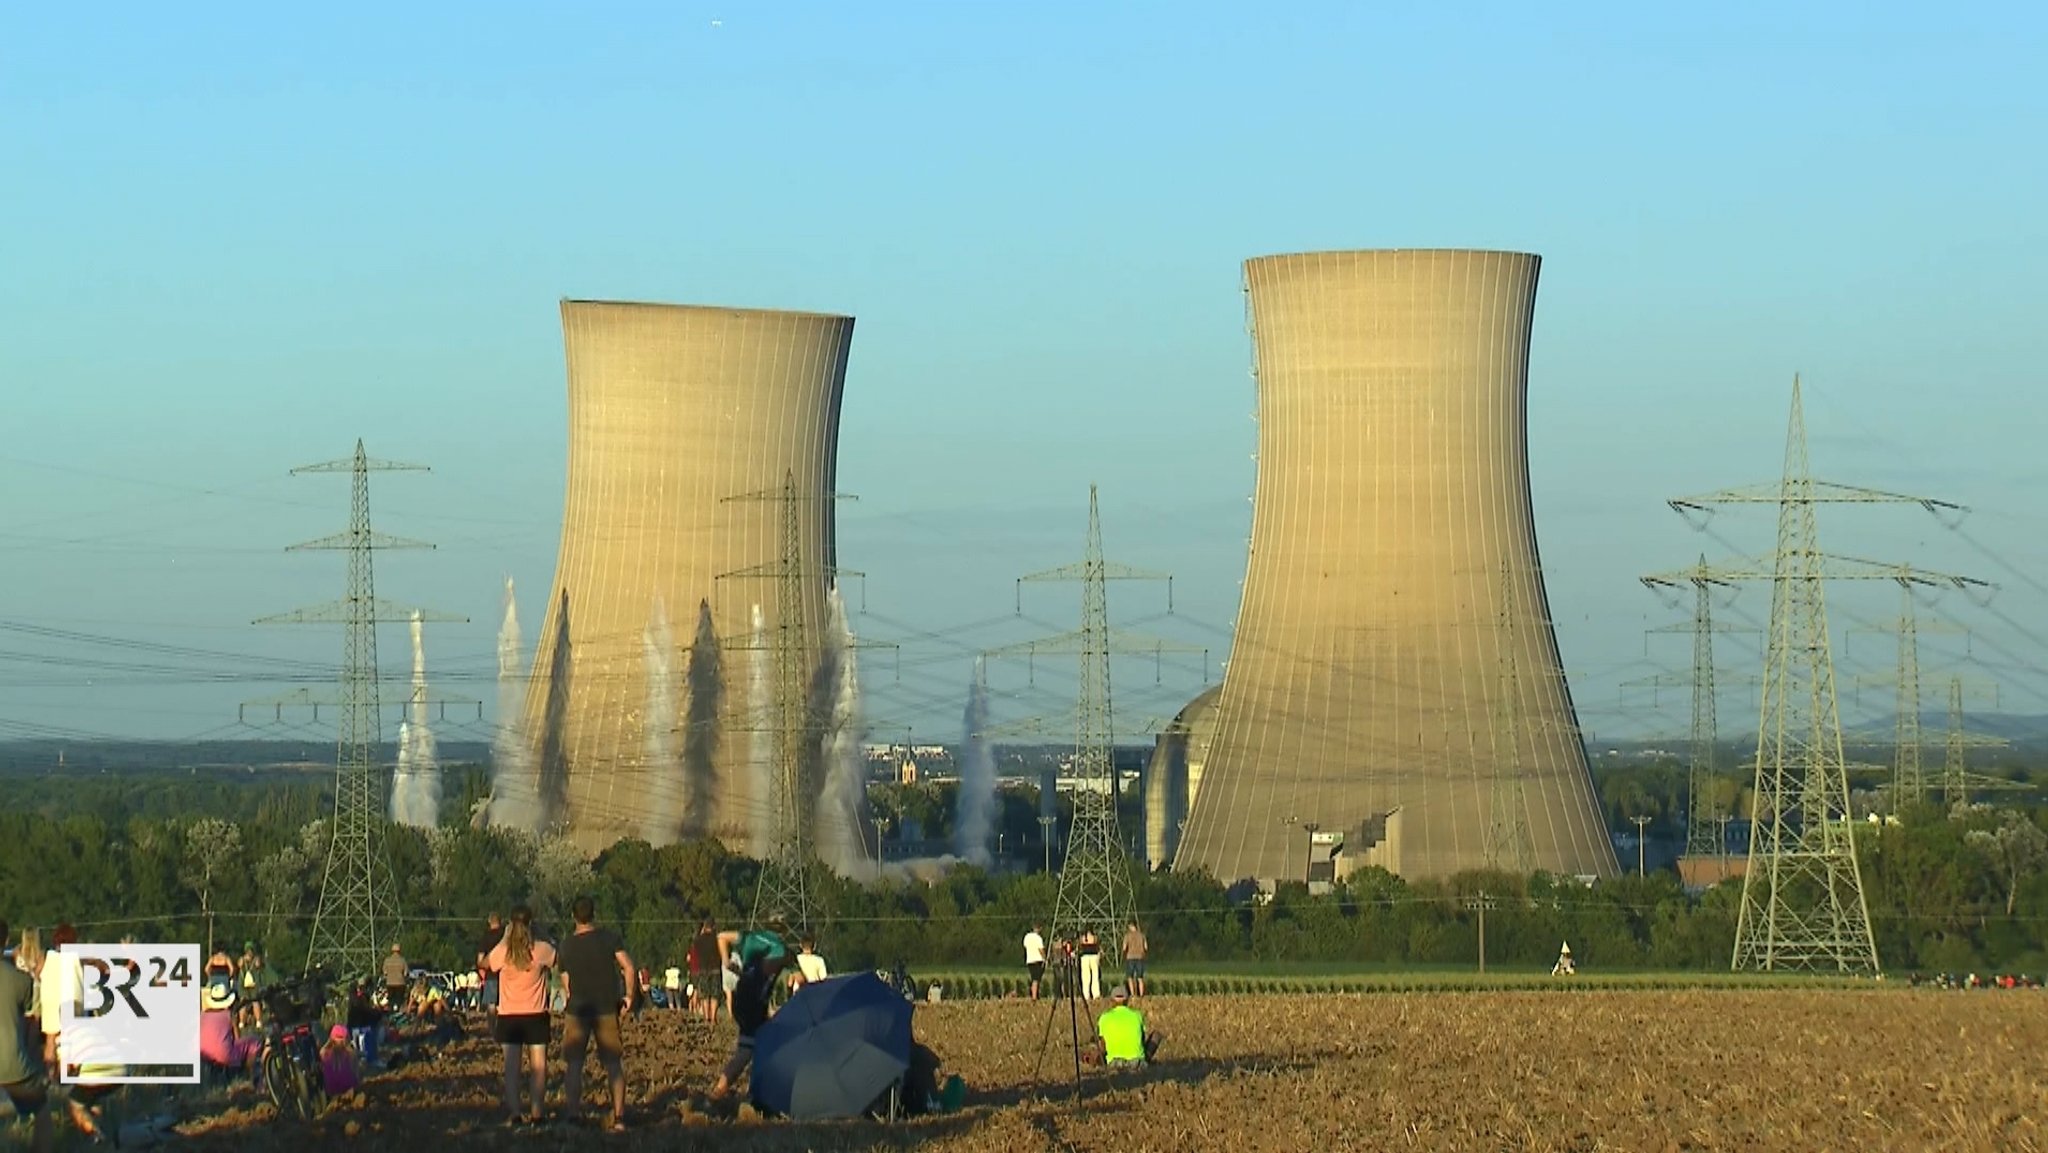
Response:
column 1703, row 1070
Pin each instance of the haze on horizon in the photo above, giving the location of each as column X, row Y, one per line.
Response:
column 245, row 236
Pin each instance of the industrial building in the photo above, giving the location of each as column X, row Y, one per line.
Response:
column 684, row 424
column 1394, row 695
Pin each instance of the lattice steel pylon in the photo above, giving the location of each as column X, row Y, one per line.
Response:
column 1507, row 827
column 1703, row 828
column 1803, row 904
column 1095, row 889
column 358, row 909
column 787, row 890
column 1956, row 778
column 1909, row 782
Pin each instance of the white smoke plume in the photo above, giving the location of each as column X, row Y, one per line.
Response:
column 974, row 819
column 761, row 767
column 515, row 784
column 662, row 821
column 416, row 791
column 842, row 802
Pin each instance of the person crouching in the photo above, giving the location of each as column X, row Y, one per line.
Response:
column 1121, row 1033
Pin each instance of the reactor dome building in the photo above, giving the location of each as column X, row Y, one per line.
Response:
column 1394, row 695
column 646, row 713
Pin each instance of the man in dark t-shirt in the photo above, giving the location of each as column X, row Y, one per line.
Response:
column 598, row 978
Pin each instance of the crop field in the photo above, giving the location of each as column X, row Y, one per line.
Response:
column 1797, row 1069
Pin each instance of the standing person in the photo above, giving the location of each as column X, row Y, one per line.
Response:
column 29, row 959
column 394, row 977
column 1091, row 966
column 1134, row 958
column 22, row 1080
column 255, row 978
column 63, row 978
column 522, row 964
column 1034, row 958
column 707, row 972
column 487, row 992
column 598, row 984
column 760, row 957
column 672, row 984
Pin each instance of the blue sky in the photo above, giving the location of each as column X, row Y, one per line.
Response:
column 239, row 236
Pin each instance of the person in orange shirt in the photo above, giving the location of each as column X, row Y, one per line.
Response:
column 522, row 965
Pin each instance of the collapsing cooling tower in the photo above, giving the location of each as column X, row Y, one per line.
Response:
column 1393, row 647
column 673, row 412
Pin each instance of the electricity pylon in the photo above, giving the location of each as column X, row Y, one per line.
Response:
column 789, row 878
column 1507, row 824
column 1909, row 784
column 1956, row 779
column 1803, row 905
column 1095, row 878
column 357, row 892
column 1703, row 825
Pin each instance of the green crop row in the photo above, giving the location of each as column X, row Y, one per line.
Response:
column 995, row 986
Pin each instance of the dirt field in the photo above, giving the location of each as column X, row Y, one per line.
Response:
column 1697, row 1070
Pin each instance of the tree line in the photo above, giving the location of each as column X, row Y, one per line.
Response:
column 190, row 860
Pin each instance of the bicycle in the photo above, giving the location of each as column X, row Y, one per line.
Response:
column 290, row 1060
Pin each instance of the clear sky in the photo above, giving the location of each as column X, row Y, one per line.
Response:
column 239, row 236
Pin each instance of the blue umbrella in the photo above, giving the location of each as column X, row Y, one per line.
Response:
column 833, row 1049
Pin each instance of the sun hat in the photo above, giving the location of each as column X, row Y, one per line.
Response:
column 218, row 995
column 1120, row 993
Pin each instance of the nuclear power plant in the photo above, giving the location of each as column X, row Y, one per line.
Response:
column 1394, row 695
column 647, row 709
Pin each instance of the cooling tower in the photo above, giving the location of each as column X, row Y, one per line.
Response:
column 683, row 424
column 1393, row 646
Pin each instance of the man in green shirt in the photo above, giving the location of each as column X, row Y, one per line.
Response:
column 1122, row 1029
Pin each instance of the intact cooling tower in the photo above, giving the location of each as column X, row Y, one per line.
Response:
column 1393, row 649
column 650, row 698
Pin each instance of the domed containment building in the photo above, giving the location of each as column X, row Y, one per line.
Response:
column 1173, row 776
column 639, row 729
column 1393, row 680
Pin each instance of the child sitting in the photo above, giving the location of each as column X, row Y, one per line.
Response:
column 340, row 1070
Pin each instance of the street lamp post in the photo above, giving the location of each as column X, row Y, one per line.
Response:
column 1641, row 823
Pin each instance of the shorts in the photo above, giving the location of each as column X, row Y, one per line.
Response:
column 530, row 1029
column 583, row 1024
column 1134, row 968
column 731, row 979
column 1036, row 969
column 28, row 1096
column 704, row 981
column 742, row 1056
column 490, row 993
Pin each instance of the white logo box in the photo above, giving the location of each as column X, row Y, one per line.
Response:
column 129, row 1014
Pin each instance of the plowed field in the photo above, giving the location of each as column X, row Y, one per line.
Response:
column 1795, row 1069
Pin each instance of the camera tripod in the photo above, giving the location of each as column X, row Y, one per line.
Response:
column 1069, row 971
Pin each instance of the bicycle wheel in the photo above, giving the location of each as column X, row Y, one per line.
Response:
column 277, row 1078
column 303, row 1087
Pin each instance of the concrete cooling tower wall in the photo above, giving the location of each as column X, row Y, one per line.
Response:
column 1393, row 645
column 646, row 704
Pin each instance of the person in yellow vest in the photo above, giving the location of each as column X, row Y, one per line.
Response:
column 1122, row 1031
